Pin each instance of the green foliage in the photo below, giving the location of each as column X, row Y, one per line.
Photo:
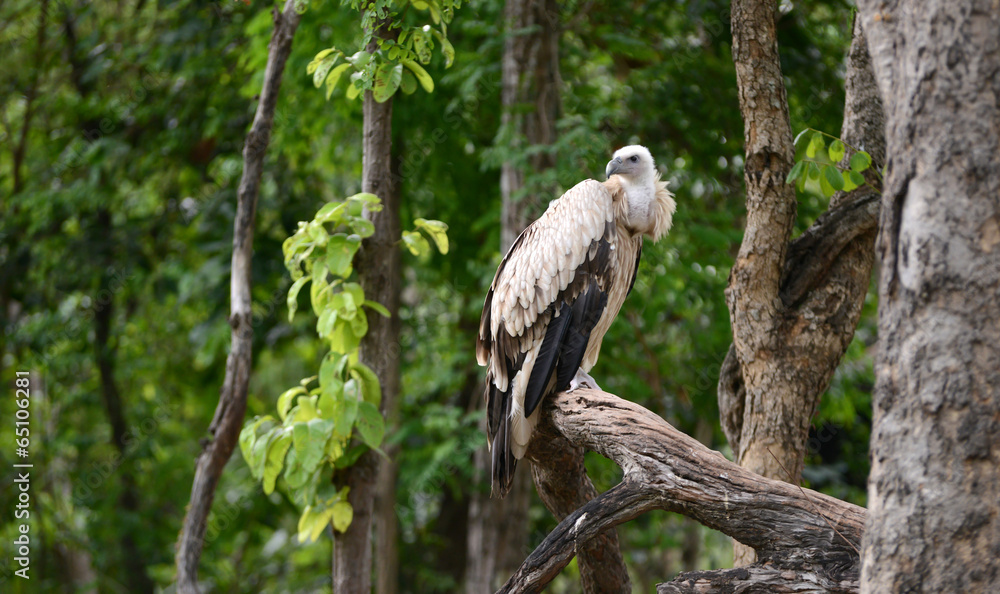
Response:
column 407, row 44
column 321, row 416
column 823, row 164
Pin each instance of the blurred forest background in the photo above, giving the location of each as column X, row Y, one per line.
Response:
column 122, row 131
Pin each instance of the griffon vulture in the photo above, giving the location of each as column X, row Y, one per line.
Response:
column 557, row 291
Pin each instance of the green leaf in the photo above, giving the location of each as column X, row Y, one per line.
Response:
column 286, row 400
column 378, row 307
column 362, row 227
column 313, row 521
column 248, row 435
column 816, row 144
column 318, row 233
column 860, row 161
column 340, row 252
column 416, row 243
column 856, row 178
column 449, row 52
column 306, row 410
column 331, row 369
column 275, row 459
column 328, row 211
column 359, row 323
column 408, row 82
column 836, row 151
column 353, row 90
column 293, row 295
column 365, row 198
column 833, row 177
column 295, row 475
column 321, row 68
column 334, row 78
column 310, row 442
column 330, row 395
column 387, row 80
column 258, row 453
column 343, row 339
column 423, row 78
column 813, row 171
column 346, row 413
column 345, row 305
column 342, row 514
column 319, row 290
column 848, row 182
column 326, row 322
column 335, row 447
column 371, row 389
column 824, row 186
column 438, row 232
column 360, row 59
column 370, row 424
column 797, row 170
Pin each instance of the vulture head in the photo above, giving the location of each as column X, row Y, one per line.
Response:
column 650, row 205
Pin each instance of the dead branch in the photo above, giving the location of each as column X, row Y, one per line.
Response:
column 802, row 537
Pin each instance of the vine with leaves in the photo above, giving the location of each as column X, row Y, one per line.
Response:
column 329, row 419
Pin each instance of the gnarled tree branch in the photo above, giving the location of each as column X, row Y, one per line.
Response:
column 786, row 345
column 796, row 532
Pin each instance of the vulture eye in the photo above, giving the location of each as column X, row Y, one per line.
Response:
column 634, row 159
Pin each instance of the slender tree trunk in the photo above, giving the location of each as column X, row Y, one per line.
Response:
column 21, row 147
column 373, row 482
column 228, row 420
column 104, row 350
column 794, row 307
column 934, row 488
column 498, row 529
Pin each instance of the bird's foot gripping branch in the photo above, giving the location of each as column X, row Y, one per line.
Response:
column 330, row 419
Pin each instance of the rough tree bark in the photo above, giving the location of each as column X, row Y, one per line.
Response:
column 934, row 488
column 806, row 541
column 228, row 420
column 372, row 482
column 794, row 307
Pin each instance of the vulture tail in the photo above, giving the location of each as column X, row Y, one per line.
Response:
column 498, row 405
column 504, row 461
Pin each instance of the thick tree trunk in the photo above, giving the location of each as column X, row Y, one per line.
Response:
column 794, row 307
column 806, row 541
column 228, row 419
column 498, row 529
column 934, row 489
column 373, row 482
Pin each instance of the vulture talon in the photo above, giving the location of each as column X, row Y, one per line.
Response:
column 582, row 379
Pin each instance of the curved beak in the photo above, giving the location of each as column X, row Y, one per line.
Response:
column 613, row 166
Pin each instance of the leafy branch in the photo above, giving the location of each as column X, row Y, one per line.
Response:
column 822, row 164
column 396, row 63
column 330, row 419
